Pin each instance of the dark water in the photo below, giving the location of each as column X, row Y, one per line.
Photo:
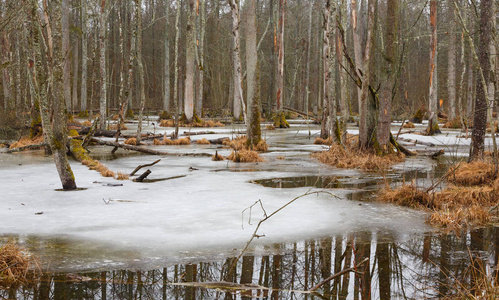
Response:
column 429, row 266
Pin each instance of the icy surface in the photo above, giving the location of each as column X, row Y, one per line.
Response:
column 198, row 214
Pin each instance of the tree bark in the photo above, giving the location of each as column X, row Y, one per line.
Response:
column 201, row 66
column 190, row 54
column 330, row 16
column 280, row 120
column 66, row 54
column 356, row 47
column 138, row 54
column 239, row 108
column 433, row 90
column 166, row 92
column 253, row 77
column 451, row 66
column 84, row 58
column 102, row 65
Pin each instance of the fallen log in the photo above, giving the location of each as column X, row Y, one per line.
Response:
column 416, row 142
column 188, row 133
column 143, row 166
column 219, row 141
column 143, row 176
column 399, row 147
column 145, row 150
column 28, row 147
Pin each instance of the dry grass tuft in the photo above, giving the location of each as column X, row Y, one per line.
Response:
column 2, row 145
column 270, row 127
column 157, row 142
column 122, row 176
column 454, row 123
column 472, row 174
column 26, row 141
column 353, row 158
column 203, row 142
column 280, row 157
column 177, row 142
column 321, row 141
column 115, row 127
column 211, row 123
column 15, row 264
column 131, row 141
column 245, row 156
column 166, row 123
column 217, row 157
column 409, row 125
column 238, row 143
column 406, row 195
column 262, row 146
column 87, row 123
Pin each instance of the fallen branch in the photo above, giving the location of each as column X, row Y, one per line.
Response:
column 188, row 133
column 399, row 147
column 351, row 269
column 28, row 147
column 418, row 142
column 142, row 166
column 255, row 235
column 143, row 176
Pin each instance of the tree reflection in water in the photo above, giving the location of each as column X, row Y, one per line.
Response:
column 431, row 266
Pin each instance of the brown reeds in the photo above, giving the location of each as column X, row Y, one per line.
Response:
column 472, row 174
column 409, row 125
column 241, row 143
column 26, row 141
column 115, row 127
column 203, row 142
column 270, row 127
column 177, row 142
column 321, row 141
column 86, row 123
column 245, row 156
column 131, row 141
column 217, row 157
column 15, row 265
column 122, row 176
column 166, row 123
column 352, row 158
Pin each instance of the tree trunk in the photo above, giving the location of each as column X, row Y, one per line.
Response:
column 356, row 47
column 451, row 66
column 239, row 108
column 480, row 115
column 330, row 15
column 389, row 72
column 7, row 93
column 308, row 63
column 176, row 76
column 201, row 66
column 84, row 58
column 166, row 93
column 66, row 49
column 280, row 120
column 190, row 55
column 253, row 77
column 433, row 90
column 138, row 54
column 367, row 121
column 343, row 76
column 102, row 64
column 75, row 76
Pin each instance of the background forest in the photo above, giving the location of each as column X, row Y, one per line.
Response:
column 101, row 40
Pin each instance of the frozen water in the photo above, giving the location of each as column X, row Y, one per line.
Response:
column 198, row 213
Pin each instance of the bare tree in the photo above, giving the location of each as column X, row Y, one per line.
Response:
column 66, row 54
column 102, row 64
column 433, row 91
column 280, row 120
column 84, row 58
column 138, row 57
column 451, row 66
column 190, row 54
column 166, row 91
column 239, row 107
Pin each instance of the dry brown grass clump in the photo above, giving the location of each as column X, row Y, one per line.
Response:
column 321, row 141
column 217, row 157
column 454, row 123
column 245, row 156
column 409, row 125
column 115, row 127
column 241, row 143
column 122, row 176
column 211, row 123
column 131, row 141
column 86, row 123
column 14, row 264
column 167, row 123
column 2, row 145
column 203, row 142
column 157, row 142
column 177, row 142
column 26, row 141
column 270, row 127
column 351, row 158
column 406, row 195
column 472, row 174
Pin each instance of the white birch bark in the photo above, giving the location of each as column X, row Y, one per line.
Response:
column 190, row 55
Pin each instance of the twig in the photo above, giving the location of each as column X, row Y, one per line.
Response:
column 351, row 269
column 8, row 267
column 254, row 235
column 142, row 166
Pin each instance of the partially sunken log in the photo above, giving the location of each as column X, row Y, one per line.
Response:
column 143, row 176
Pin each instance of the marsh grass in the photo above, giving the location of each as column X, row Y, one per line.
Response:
column 17, row 266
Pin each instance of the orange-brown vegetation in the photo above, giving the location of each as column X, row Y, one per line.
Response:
column 86, row 123
column 350, row 157
column 454, row 123
column 270, row 127
column 201, row 123
column 115, row 127
column 409, row 125
column 321, row 141
column 203, row 142
column 122, row 176
column 241, row 143
column 217, row 157
column 166, row 123
column 15, row 265
column 26, row 141
column 469, row 198
column 131, row 141
column 177, row 142
column 245, row 156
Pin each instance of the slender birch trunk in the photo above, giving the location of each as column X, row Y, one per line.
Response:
column 84, row 59
column 190, row 55
column 176, row 105
column 307, row 75
column 239, row 106
column 66, row 51
column 202, row 33
column 451, row 66
column 166, row 92
column 280, row 120
column 75, row 76
column 356, row 46
column 253, row 77
column 433, row 89
column 138, row 54
column 343, row 76
column 102, row 65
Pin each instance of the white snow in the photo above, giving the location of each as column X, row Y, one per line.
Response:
column 199, row 213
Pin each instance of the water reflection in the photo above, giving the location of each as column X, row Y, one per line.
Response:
column 431, row 266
